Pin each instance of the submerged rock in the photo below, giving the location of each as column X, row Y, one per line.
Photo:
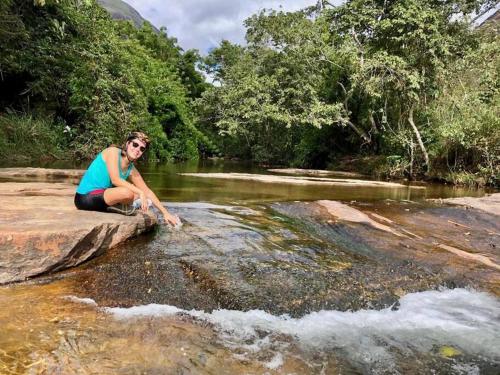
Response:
column 347, row 213
column 242, row 259
column 489, row 203
column 460, row 245
column 474, row 257
column 42, row 231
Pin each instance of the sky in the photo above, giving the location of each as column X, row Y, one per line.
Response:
column 202, row 24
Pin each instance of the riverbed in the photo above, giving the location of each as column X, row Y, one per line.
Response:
column 260, row 279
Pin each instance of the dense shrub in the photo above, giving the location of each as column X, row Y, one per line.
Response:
column 23, row 137
column 101, row 78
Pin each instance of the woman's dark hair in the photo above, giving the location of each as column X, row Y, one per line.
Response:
column 135, row 135
column 140, row 136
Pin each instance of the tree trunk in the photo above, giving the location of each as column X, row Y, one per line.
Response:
column 373, row 123
column 419, row 139
column 359, row 132
column 412, row 148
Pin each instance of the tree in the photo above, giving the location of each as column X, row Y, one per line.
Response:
column 466, row 114
column 403, row 46
column 371, row 66
column 98, row 77
column 268, row 88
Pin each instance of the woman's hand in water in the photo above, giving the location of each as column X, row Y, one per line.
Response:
column 171, row 219
column 144, row 201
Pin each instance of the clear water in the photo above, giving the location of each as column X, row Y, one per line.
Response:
column 165, row 180
column 258, row 281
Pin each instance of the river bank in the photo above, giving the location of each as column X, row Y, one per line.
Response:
column 377, row 167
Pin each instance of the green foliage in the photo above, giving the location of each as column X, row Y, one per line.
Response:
column 408, row 84
column 467, row 179
column 192, row 79
column 467, row 114
column 222, row 58
column 267, row 91
column 369, row 71
column 23, row 137
column 104, row 78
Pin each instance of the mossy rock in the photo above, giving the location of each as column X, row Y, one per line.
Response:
column 449, row 351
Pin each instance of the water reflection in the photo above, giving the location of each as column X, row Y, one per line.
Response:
column 165, row 180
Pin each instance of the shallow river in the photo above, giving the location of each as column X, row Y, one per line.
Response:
column 260, row 280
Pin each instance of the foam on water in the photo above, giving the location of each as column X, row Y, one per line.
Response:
column 468, row 320
column 275, row 362
column 87, row 301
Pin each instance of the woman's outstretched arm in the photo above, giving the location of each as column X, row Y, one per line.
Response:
column 138, row 181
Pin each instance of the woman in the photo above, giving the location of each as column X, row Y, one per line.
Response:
column 105, row 184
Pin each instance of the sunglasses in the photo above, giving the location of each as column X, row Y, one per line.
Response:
column 135, row 145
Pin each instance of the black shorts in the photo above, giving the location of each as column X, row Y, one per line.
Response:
column 91, row 202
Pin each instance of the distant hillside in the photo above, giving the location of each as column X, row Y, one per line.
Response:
column 120, row 10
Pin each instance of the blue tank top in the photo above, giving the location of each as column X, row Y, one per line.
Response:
column 97, row 177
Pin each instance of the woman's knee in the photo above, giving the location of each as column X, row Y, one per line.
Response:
column 118, row 195
column 129, row 195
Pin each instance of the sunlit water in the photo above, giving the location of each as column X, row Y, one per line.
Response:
column 257, row 281
column 166, row 181
column 372, row 340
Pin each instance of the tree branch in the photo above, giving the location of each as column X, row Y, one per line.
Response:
column 419, row 139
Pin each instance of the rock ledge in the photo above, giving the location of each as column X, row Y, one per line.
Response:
column 41, row 230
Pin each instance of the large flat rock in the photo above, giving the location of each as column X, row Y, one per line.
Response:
column 299, row 180
column 41, row 230
column 41, row 174
column 461, row 243
column 489, row 203
column 314, row 172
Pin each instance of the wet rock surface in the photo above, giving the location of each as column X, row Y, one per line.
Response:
column 489, row 203
column 366, row 287
column 291, row 257
column 424, row 235
column 42, row 231
column 299, row 259
column 61, row 334
column 285, row 258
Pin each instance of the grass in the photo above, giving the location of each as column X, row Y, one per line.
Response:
column 24, row 138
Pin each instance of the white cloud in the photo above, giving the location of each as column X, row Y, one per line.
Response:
column 202, row 24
